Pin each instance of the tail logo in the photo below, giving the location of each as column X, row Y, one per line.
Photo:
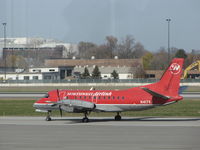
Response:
column 175, row 68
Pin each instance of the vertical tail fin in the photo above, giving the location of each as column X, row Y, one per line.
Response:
column 170, row 81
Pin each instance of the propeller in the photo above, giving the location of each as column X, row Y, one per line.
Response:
column 58, row 94
column 60, row 110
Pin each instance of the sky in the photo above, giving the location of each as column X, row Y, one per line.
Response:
column 92, row 20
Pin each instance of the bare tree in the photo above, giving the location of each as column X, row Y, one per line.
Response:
column 160, row 60
column 139, row 50
column 111, row 43
column 86, row 48
column 126, row 47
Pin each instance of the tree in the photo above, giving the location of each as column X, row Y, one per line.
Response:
column 139, row 50
column 96, row 74
column 139, row 72
column 160, row 60
column 16, row 61
column 125, row 49
column 86, row 49
column 147, row 58
column 115, row 75
column 181, row 54
column 111, row 44
column 86, row 73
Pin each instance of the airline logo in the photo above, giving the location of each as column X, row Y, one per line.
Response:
column 175, row 68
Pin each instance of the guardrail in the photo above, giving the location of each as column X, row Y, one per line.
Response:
column 94, row 81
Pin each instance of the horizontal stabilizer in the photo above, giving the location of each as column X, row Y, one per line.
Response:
column 155, row 94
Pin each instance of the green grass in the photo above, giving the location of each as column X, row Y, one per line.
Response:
column 189, row 108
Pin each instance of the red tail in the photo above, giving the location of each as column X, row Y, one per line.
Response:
column 170, row 81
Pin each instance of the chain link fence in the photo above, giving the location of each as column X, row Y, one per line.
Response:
column 96, row 81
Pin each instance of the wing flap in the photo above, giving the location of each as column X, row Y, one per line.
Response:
column 153, row 93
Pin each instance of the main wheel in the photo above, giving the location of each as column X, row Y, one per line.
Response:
column 85, row 120
column 118, row 118
column 48, row 118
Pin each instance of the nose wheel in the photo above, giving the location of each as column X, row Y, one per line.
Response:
column 48, row 117
column 118, row 117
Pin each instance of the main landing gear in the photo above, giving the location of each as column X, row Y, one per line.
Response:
column 85, row 119
column 118, row 117
column 48, row 118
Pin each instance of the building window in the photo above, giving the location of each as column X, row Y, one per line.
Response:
column 26, row 77
column 35, row 77
column 51, row 69
column 150, row 75
column 47, row 77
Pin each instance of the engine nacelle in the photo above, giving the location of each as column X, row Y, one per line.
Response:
column 76, row 106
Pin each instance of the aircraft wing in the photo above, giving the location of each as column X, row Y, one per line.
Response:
column 153, row 93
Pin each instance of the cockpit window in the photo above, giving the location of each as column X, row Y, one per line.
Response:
column 46, row 95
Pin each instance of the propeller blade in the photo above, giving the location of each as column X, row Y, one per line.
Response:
column 60, row 111
column 58, row 95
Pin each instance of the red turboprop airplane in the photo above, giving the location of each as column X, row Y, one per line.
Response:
column 163, row 92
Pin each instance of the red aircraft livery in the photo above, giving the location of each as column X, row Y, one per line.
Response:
column 163, row 92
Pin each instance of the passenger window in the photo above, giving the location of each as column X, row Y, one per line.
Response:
column 80, row 97
column 99, row 97
column 122, row 97
column 84, row 97
column 113, row 97
column 94, row 97
column 108, row 97
column 66, row 97
column 75, row 97
column 118, row 97
column 89, row 97
column 104, row 97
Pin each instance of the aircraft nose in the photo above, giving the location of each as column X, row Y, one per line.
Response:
column 35, row 105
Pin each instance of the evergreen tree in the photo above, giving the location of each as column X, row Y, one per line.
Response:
column 96, row 74
column 115, row 75
column 181, row 54
column 86, row 73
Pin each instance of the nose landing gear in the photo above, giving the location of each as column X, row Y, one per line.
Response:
column 48, row 117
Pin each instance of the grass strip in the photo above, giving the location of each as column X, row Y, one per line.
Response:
column 187, row 108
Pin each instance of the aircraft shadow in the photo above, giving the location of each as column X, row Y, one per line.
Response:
column 141, row 119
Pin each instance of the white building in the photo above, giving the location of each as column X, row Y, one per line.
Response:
column 22, row 76
column 123, row 72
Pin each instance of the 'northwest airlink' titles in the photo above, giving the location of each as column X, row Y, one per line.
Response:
column 90, row 93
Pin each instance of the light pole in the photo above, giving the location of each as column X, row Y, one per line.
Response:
column 168, row 20
column 4, row 26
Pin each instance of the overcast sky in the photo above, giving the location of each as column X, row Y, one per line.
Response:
column 92, row 20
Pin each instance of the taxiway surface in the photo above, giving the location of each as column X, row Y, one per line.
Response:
column 30, row 133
